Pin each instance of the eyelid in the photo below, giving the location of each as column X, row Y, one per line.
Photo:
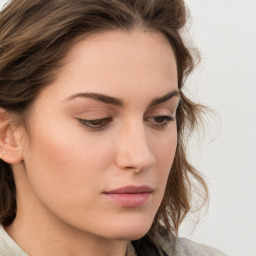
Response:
column 88, row 123
column 164, row 121
column 171, row 105
column 161, row 111
column 92, row 113
column 166, row 117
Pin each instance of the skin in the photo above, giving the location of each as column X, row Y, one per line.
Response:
column 67, row 166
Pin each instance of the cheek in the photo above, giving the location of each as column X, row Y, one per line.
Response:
column 164, row 150
column 63, row 163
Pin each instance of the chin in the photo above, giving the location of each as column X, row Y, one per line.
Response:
column 129, row 235
column 136, row 235
column 130, row 230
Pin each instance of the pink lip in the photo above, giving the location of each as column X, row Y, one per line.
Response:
column 130, row 196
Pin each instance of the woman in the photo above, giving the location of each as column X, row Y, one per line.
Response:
column 92, row 127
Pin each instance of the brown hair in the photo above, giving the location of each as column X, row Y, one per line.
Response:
column 35, row 36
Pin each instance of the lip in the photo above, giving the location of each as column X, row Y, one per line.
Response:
column 130, row 196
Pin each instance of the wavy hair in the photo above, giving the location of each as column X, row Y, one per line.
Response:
column 35, row 36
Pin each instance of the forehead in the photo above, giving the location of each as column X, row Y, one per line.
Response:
column 134, row 41
column 130, row 57
column 132, row 65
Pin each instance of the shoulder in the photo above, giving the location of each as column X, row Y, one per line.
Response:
column 7, row 246
column 187, row 247
column 173, row 246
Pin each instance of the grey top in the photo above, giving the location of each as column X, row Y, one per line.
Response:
column 173, row 246
column 7, row 246
column 182, row 247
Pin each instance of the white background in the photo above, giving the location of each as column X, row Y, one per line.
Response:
column 225, row 32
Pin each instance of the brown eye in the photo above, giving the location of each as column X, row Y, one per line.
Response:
column 160, row 122
column 160, row 119
column 95, row 124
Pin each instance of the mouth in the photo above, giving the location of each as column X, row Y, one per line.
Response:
column 130, row 196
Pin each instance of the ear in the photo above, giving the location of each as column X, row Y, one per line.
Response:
column 11, row 139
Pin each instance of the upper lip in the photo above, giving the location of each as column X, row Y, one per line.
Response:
column 131, row 189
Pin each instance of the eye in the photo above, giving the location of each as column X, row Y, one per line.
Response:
column 160, row 122
column 95, row 124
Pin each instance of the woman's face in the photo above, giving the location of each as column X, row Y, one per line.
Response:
column 102, row 137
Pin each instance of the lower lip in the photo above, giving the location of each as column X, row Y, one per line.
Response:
column 130, row 200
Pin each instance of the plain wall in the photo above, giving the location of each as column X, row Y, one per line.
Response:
column 225, row 81
column 226, row 34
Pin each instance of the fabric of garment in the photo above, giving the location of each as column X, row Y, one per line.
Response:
column 171, row 246
column 163, row 246
column 7, row 246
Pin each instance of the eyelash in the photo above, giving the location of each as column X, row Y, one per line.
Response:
column 95, row 124
column 160, row 122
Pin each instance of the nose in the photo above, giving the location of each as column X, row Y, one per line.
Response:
column 133, row 151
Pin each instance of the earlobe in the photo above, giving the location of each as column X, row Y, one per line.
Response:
column 11, row 146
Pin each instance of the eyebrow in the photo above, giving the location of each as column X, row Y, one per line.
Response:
column 119, row 102
column 164, row 98
column 99, row 97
